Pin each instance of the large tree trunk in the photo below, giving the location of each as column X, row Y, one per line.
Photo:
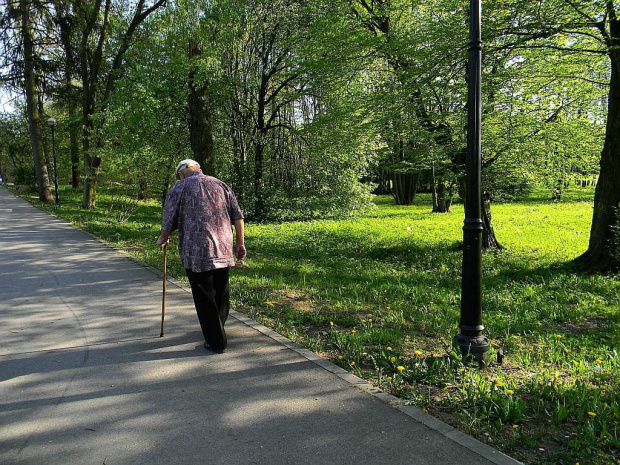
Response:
column 603, row 252
column 200, row 126
column 40, row 168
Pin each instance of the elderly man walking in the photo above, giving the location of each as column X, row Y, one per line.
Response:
column 204, row 209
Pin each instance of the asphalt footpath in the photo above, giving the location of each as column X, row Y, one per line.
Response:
column 86, row 379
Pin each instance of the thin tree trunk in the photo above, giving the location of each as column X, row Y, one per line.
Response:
column 67, row 29
column 74, row 149
column 489, row 241
column 40, row 168
column 259, row 198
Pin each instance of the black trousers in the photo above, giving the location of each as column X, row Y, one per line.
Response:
column 212, row 301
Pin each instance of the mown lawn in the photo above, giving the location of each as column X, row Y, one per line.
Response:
column 379, row 295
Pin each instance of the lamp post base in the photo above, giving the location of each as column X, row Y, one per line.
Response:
column 475, row 347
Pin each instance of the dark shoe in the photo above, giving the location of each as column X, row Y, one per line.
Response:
column 213, row 349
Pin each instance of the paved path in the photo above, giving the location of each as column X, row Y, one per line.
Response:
column 86, row 379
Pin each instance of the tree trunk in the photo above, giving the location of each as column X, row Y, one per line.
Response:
column 90, row 163
column 442, row 196
column 67, row 30
column 200, row 125
column 489, row 241
column 74, row 149
column 259, row 199
column 558, row 190
column 603, row 252
column 383, row 182
column 40, row 168
column 142, row 189
column 404, row 187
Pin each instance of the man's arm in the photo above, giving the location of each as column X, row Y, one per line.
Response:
column 240, row 251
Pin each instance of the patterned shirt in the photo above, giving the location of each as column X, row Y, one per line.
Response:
column 203, row 209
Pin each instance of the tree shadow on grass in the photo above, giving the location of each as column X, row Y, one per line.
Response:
column 552, row 298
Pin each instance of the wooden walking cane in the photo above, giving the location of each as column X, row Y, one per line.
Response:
column 163, row 297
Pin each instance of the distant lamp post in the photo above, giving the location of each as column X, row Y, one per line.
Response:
column 471, row 340
column 51, row 122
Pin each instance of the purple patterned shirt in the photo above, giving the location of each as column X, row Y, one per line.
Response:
column 203, row 209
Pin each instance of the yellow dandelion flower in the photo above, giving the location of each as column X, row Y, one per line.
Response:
column 558, row 336
column 352, row 364
column 339, row 357
column 515, row 426
column 598, row 361
column 592, row 414
column 389, row 348
column 417, row 352
column 509, row 391
column 393, row 359
column 331, row 323
column 369, row 320
column 515, row 337
column 389, row 378
column 353, row 331
column 400, row 368
column 363, row 321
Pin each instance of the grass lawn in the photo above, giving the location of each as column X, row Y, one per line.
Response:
column 379, row 295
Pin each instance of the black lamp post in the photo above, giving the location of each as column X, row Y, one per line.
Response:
column 470, row 339
column 51, row 122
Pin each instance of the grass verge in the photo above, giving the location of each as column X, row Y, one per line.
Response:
column 379, row 295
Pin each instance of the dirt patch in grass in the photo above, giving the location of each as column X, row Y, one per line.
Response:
column 299, row 301
column 591, row 324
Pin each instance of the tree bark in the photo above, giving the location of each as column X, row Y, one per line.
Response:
column 40, row 168
column 404, row 187
column 200, row 125
column 66, row 24
column 442, row 196
column 489, row 241
column 259, row 195
column 603, row 252
column 383, row 182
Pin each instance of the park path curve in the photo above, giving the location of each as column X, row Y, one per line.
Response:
column 86, row 379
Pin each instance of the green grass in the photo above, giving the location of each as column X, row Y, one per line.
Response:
column 380, row 294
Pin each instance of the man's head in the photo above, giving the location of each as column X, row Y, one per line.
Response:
column 186, row 167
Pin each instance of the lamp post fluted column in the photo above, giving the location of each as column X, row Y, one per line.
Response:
column 470, row 339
